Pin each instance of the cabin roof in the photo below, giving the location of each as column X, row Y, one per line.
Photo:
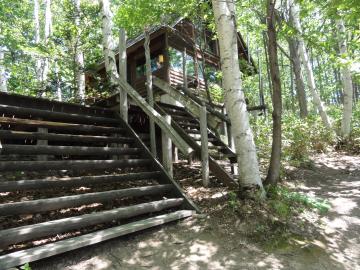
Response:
column 135, row 42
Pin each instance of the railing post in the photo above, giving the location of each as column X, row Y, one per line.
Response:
column 184, row 69
column 42, row 142
column 204, row 146
column 167, row 149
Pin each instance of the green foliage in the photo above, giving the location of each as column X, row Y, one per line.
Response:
column 283, row 201
column 233, row 201
column 300, row 137
column 27, row 266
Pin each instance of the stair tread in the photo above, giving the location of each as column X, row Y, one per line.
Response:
column 49, row 204
column 8, row 186
column 41, row 252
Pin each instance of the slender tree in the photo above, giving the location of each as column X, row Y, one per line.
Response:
column 108, row 41
column 295, row 21
column 249, row 174
column 299, row 80
column 3, row 83
column 346, row 82
column 38, row 64
column 79, row 56
column 123, row 73
column 149, row 88
column 274, row 169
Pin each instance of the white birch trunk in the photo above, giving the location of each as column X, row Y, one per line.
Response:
column 79, row 57
column 3, row 84
column 108, row 41
column 58, row 86
column 47, row 33
column 295, row 19
column 38, row 64
column 123, row 73
column 149, row 87
column 249, row 174
column 346, row 82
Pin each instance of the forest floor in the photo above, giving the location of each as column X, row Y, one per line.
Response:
column 244, row 236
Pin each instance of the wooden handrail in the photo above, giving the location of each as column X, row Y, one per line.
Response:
column 158, row 119
column 191, row 105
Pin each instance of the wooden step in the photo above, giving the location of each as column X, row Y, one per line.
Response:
column 9, row 186
column 192, row 131
column 37, row 253
column 169, row 106
column 184, row 118
column 56, row 116
column 15, row 135
column 217, row 147
column 59, row 125
column 36, row 231
column 187, row 124
column 66, row 150
column 71, row 164
column 44, row 205
column 209, row 139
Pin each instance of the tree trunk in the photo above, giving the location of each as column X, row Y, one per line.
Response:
column 346, row 82
column 79, row 57
column 58, row 83
column 273, row 175
column 299, row 80
column 123, row 73
column 249, row 174
column 38, row 64
column 47, row 33
column 108, row 41
column 149, row 87
column 3, row 84
column 295, row 20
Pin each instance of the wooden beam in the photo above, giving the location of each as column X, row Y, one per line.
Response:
column 8, row 186
column 59, row 125
column 71, row 164
column 67, row 150
column 44, row 205
column 37, row 253
column 167, row 159
column 192, row 106
column 55, row 137
column 36, row 231
column 159, row 120
column 55, row 116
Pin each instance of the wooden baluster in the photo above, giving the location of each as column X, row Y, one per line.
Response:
column 167, row 149
column 204, row 146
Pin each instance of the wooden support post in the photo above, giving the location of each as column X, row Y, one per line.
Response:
column 42, row 142
column 204, row 146
column 176, row 154
column 184, row 69
column 167, row 149
column 149, row 87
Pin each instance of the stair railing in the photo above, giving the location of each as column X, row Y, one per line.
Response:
column 158, row 118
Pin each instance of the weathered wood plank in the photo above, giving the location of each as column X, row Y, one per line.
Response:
column 204, row 147
column 59, row 125
column 44, row 205
column 36, row 231
column 55, row 116
column 37, row 253
column 70, row 164
column 193, row 107
column 55, row 137
column 66, row 150
column 9, row 186
column 159, row 120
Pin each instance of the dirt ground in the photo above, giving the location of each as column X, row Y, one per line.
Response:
column 216, row 240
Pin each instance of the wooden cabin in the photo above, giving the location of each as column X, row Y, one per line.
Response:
column 167, row 44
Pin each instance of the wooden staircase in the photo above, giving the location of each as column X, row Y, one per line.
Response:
column 73, row 176
column 222, row 160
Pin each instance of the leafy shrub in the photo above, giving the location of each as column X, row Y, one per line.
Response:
column 283, row 201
